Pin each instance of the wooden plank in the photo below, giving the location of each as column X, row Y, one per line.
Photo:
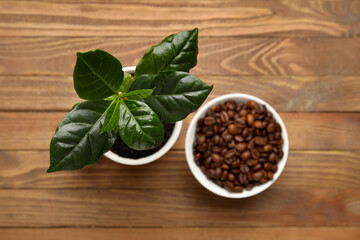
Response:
column 311, row 131
column 217, row 55
column 311, row 233
column 304, row 170
column 285, row 93
column 178, row 208
column 218, row 18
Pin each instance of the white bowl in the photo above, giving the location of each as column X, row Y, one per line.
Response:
column 200, row 176
column 145, row 160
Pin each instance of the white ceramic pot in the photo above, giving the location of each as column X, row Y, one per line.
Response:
column 145, row 160
column 200, row 176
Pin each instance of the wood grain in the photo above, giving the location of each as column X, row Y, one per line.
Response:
column 217, row 56
column 218, row 18
column 311, row 131
column 304, row 170
column 178, row 208
column 311, row 233
column 284, row 93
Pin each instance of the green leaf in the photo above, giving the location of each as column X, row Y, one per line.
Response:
column 97, row 75
column 128, row 80
column 77, row 142
column 139, row 126
column 177, row 94
column 176, row 52
column 112, row 117
column 112, row 97
column 138, row 94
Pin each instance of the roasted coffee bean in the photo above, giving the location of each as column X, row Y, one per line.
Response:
column 201, row 148
column 260, row 141
column 242, row 112
column 216, row 129
column 246, row 132
column 257, row 175
column 224, row 175
column 239, row 138
column 214, row 107
column 209, row 133
column 223, row 151
column 216, row 139
column 231, row 177
column 238, row 145
column 207, row 161
column 210, row 172
column 244, row 168
column 257, row 167
column 231, row 114
column 249, row 137
column 230, row 153
column 270, row 175
column 251, row 162
column 201, row 139
column 251, row 104
column 251, row 144
column 227, row 137
column 241, row 147
column 268, row 148
column 207, row 154
column 235, row 164
column 255, row 154
column 258, row 124
column 218, row 172
column 224, row 116
column 272, row 157
column 198, row 157
column 229, row 186
column 233, row 129
column 243, row 179
column 267, row 166
column 217, row 158
column 250, row 119
column 230, row 105
column 271, row 127
column 263, row 180
column 238, row 189
column 225, row 166
column 245, row 155
column 231, row 144
column 209, row 121
column 263, row 160
column 249, row 176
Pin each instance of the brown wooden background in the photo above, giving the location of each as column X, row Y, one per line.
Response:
column 303, row 57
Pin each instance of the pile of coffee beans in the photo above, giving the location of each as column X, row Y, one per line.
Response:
column 238, row 145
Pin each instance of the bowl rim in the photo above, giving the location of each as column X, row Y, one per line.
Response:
column 200, row 176
column 151, row 158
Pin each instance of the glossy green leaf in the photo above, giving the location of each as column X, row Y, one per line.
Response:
column 176, row 52
column 77, row 142
column 176, row 95
column 97, row 75
column 139, row 126
column 112, row 117
column 138, row 94
column 128, row 80
column 112, row 97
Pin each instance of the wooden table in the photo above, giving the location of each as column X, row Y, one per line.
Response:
column 303, row 57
